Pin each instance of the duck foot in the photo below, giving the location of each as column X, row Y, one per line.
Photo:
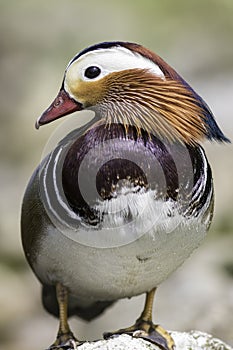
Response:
column 148, row 331
column 65, row 341
column 65, row 338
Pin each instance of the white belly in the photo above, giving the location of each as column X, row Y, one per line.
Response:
column 139, row 257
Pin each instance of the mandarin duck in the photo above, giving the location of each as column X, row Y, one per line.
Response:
column 123, row 201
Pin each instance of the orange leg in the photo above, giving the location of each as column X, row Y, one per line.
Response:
column 64, row 336
column 144, row 327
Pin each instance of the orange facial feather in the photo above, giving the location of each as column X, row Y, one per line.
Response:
column 164, row 107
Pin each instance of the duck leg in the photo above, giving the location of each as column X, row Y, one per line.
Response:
column 65, row 338
column 144, row 327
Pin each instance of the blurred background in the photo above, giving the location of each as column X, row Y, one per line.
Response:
column 38, row 38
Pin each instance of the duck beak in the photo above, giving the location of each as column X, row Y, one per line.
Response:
column 61, row 106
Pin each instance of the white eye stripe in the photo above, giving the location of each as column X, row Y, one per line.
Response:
column 110, row 60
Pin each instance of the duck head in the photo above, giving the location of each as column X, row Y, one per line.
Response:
column 126, row 83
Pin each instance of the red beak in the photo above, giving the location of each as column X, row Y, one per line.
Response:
column 61, row 106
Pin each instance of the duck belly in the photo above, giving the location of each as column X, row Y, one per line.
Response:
column 114, row 269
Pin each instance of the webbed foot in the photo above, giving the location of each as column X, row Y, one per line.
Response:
column 65, row 341
column 146, row 329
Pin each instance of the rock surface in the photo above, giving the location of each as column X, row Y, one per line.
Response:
column 193, row 340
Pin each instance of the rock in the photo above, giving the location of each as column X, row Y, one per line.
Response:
column 196, row 340
column 193, row 340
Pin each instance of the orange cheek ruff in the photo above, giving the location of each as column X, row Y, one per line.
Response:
column 163, row 106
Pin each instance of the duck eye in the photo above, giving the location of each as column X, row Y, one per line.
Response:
column 92, row 72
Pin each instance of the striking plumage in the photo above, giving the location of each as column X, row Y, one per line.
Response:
column 121, row 202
